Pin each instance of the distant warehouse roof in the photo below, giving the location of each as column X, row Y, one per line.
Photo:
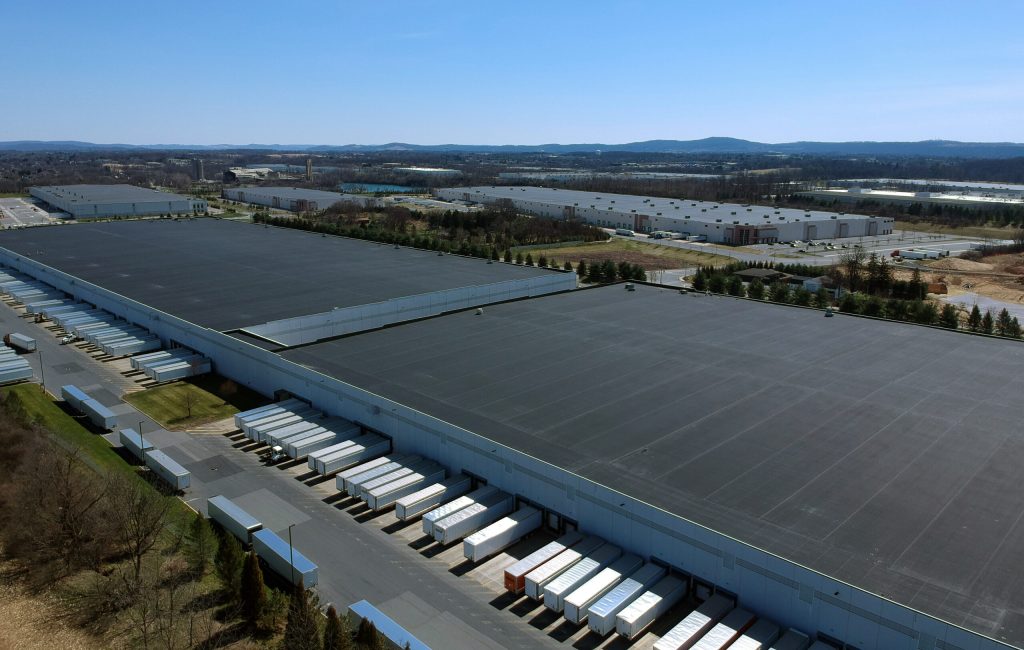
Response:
column 295, row 199
column 114, row 200
column 668, row 208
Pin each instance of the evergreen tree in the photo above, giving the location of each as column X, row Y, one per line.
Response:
column 873, row 306
column 849, row 304
column 494, row 254
column 508, row 255
column 735, row 286
column 756, row 289
column 918, row 289
column 987, row 325
column 581, row 269
column 716, row 283
column 366, row 634
column 337, row 635
column 700, row 281
column 822, row 298
column 302, row 631
column 974, row 320
column 228, row 564
column 1015, row 330
column 519, row 258
column 529, row 259
column 254, row 594
column 200, row 542
column 542, row 262
column 1002, row 324
column 567, row 266
column 949, row 317
column 802, row 297
column 925, row 313
column 779, row 292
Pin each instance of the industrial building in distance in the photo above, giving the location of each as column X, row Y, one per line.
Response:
column 854, row 478
column 294, row 199
column 99, row 201
column 712, row 221
column 964, row 199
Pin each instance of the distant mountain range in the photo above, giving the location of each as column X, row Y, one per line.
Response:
column 928, row 148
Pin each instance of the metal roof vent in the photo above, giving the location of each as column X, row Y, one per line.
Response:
column 630, row 286
column 479, row 311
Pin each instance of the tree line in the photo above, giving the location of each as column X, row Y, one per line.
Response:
column 868, row 288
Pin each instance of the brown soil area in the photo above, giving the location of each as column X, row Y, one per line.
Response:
column 30, row 623
column 1000, row 277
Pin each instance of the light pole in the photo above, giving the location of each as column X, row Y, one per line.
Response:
column 291, row 552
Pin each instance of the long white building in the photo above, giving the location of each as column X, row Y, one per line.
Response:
column 727, row 223
column 121, row 200
column 294, row 199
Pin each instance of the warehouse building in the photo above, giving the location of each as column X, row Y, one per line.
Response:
column 97, row 201
column 966, row 200
column 716, row 222
column 293, row 199
column 847, row 476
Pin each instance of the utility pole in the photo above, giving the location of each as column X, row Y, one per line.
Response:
column 42, row 373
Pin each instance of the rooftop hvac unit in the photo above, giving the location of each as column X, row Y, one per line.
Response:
column 630, row 286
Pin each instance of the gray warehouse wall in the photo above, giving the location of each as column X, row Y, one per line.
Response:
column 773, row 587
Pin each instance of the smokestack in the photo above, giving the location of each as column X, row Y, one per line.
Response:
column 309, row 169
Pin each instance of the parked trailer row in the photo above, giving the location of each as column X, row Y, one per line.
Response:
column 362, row 449
column 539, row 578
column 99, row 415
column 232, row 518
column 164, row 365
column 760, row 636
column 451, row 507
column 727, row 631
column 601, row 615
column 793, row 639
column 133, row 441
column 349, row 482
column 385, row 496
column 569, row 580
column 168, row 469
column 12, row 367
column 243, row 416
column 408, row 468
column 423, row 500
column 696, row 624
column 501, row 534
column 284, row 559
column 651, row 604
column 579, row 601
column 515, row 575
column 264, row 429
column 74, row 396
column 464, row 522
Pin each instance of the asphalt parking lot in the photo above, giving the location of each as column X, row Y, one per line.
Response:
column 18, row 212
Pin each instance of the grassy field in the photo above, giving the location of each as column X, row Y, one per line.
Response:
column 993, row 232
column 40, row 409
column 652, row 257
column 209, row 398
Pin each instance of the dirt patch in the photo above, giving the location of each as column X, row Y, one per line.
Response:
column 31, row 623
column 957, row 264
column 652, row 257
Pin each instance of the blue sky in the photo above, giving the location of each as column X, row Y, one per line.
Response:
column 524, row 72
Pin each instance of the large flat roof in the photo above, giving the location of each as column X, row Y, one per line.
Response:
column 322, row 197
column 120, row 193
column 227, row 275
column 884, row 454
column 667, row 208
